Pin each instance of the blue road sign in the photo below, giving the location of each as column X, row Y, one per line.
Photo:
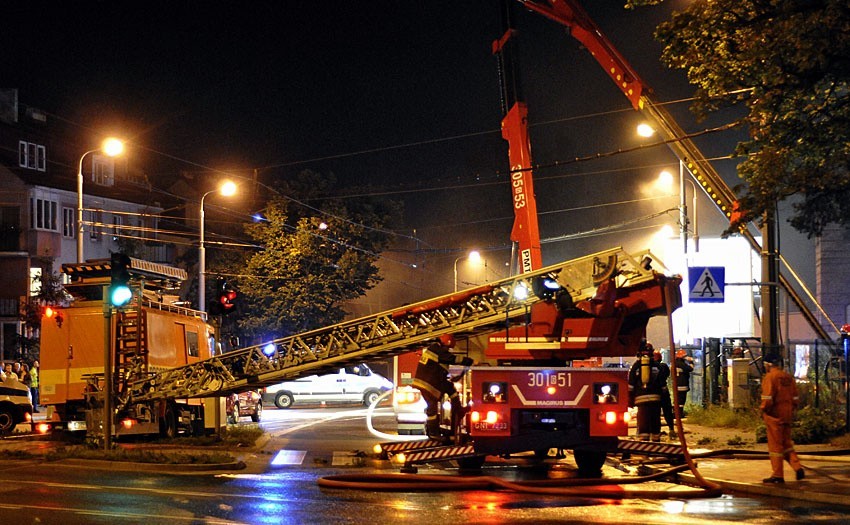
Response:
column 707, row 284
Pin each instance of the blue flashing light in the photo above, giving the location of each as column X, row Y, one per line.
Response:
column 269, row 349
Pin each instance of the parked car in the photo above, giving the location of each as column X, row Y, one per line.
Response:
column 352, row 384
column 409, row 408
column 244, row 404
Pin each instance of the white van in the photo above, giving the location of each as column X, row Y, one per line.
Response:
column 352, row 384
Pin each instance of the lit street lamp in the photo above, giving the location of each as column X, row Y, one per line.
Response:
column 666, row 178
column 227, row 189
column 473, row 257
column 110, row 147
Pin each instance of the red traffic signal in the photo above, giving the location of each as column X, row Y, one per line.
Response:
column 225, row 301
column 227, row 298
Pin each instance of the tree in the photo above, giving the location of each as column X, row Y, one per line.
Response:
column 314, row 258
column 788, row 63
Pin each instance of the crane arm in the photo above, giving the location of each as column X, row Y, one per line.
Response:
column 571, row 15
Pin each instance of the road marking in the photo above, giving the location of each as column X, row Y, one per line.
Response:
column 289, row 457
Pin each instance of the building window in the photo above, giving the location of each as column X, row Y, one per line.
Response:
column 116, row 227
column 69, row 223
column 96, row 225
column 32, row 156
column 103, row 170
column 43, row 214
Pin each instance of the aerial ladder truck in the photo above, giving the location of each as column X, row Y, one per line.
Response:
column 536, row 323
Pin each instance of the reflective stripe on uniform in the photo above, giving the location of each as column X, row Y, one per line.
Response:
column 428, row 387
column 647, row 398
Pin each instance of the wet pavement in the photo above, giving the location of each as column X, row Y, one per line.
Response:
column 734, row 470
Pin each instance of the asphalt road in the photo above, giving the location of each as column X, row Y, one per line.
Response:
column 320, row 442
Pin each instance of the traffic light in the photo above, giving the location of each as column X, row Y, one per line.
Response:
column 225, row 301
column 119, row 287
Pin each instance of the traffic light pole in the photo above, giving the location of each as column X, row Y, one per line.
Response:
column 107, row 370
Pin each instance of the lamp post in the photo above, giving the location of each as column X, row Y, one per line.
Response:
column 473, row 256
column 110, row 147
column 666, row 179
column 227, row 189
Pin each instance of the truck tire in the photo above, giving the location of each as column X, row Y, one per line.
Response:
column 258, row 412
column 283, row 400
column 7, row 420
column 589, row 462
column 370, row 397
column 168, row 424
column 471, row 463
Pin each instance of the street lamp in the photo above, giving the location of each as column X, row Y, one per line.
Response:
column 666, row 179
column 227, row 189
column 473, row 257
column 111, row 147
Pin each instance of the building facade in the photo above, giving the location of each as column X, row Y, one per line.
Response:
column 38, row 211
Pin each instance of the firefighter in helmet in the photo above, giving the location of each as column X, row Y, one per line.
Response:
column 432, row 379
column 779, row 398
column 645, row 393
column 684, row 368
column 666, row 402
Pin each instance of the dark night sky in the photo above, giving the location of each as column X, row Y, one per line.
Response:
column 411, row 85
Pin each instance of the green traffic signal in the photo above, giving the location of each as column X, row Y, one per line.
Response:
column 119, row 287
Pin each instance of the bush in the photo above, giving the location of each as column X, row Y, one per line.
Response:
column 723, row 417
column 811, row 425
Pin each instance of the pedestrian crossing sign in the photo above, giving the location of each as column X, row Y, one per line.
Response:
column 707, row 284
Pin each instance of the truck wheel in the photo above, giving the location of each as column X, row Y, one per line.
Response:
column 589, row 462
column 258, row 412
column 168, row 425
column 370, row 397
column 473, row 463
column 283, row 400
column 7, row 420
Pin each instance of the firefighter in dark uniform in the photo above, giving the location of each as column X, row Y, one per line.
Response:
column 779, row 398
column 684, row 367
column 645, row 393
column 433, row 381
column 666, row 402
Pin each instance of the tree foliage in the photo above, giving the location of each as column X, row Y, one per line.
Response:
column 314, row 257
column 788, row 63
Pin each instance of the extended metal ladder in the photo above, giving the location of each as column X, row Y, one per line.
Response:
column 484, row 309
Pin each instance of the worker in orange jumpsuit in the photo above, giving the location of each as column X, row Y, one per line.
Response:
column 779, row 398
column 433, row 381
column 645, row 393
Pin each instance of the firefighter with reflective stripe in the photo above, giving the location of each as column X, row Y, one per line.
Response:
column 645, row 393
column 779, row 399
column 666, row 403
column 684, row 367
column 432, row 379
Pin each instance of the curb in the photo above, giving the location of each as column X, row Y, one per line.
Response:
column 148, row 467
column 773, row 491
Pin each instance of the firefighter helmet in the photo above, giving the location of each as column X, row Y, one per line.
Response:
column 447, row 340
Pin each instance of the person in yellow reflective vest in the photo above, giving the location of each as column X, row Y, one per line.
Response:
column 779, row 399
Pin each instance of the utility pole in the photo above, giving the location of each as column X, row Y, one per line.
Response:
column 769, row 287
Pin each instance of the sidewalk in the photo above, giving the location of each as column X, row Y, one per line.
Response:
column 827, row 478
